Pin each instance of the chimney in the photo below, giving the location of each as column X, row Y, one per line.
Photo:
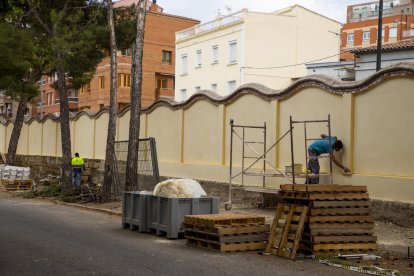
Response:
column 154, row 7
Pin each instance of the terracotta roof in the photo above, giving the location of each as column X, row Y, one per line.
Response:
column 402, row 45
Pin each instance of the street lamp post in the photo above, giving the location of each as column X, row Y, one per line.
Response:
column 379, row 36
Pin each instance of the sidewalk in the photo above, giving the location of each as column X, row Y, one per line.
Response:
column 390, row 236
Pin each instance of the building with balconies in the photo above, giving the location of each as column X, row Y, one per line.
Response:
column 49, row 97
column 6, row 106
column 361, row 28
column 245, row 47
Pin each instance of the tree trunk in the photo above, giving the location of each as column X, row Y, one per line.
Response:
column 110, row 151
column 64, row 126
column 17, row 128
column 134, row 122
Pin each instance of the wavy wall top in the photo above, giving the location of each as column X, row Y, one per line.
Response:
column 403, row 69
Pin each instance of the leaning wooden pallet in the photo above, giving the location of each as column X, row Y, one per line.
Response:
column 226, row 232
column 340, row 218
column 287, row 229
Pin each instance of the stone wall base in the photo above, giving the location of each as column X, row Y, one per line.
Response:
column 42, row 166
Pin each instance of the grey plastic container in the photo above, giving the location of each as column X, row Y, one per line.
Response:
column 134, row 211
column 165, row 215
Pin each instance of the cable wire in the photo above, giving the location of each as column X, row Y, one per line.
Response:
column 292, row 65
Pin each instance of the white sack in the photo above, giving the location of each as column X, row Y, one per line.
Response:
column 179, row 188
column 145, row 192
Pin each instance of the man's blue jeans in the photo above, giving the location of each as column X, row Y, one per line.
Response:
column 76, row 178
column 313, row 166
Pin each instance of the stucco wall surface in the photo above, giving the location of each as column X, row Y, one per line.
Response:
column 373, row 118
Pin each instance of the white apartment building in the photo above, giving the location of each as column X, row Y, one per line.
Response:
column 247, row 47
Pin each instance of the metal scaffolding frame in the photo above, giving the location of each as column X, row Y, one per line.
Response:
column 262, row 156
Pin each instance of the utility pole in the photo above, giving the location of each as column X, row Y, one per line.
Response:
column 379, row 36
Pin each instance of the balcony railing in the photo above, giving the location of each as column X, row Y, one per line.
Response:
column 73, row 99
column 215, row 24
column 57, row 101
column 70, row 99
column 370, row 15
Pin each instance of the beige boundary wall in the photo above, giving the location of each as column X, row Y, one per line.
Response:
column 374, row 118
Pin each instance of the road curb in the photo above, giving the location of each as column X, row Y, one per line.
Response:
column 106, row 211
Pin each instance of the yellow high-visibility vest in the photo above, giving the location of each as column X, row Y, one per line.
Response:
column 77, row 162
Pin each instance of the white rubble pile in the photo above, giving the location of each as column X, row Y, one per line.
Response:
column 13, row 172
column 179, row 188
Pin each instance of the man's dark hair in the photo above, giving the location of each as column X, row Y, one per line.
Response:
column 338, row 144
column 77, row 154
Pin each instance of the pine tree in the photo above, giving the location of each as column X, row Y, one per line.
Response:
column 73, row 30
column 136, row 91
column 20, row 69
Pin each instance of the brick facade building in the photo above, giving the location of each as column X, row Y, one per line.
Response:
column 361, row 27
column 158, row 68
column 158, row 64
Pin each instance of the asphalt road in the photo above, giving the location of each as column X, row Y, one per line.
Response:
column 42, row 238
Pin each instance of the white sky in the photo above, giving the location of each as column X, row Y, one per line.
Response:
column 206, row 10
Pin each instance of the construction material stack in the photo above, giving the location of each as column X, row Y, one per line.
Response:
column 339, row 221
column 15, row 178
column 227, row 232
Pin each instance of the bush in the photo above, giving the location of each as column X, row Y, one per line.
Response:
column 53, row 190
column 29, row 194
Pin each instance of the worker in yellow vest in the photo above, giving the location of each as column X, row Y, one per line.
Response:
column 77, row 166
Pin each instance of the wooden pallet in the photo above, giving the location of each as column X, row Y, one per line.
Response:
column 340, row 211
column 323, row 188
column 345, row 218
column 234, row 238
column 226, row 247
column 337, row 247
column 16, row 184
column 344, row 239
column 341, row 231
column 226, row 232
column 286, row 230
column 341, row 204
column 230, row 229
column 223, row 219
column 301, row 195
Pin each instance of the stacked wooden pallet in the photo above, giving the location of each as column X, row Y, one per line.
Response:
column 226, row 232
column 340, row 218
column 16, row 184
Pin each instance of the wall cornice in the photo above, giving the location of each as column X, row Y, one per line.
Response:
column 400, row 70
